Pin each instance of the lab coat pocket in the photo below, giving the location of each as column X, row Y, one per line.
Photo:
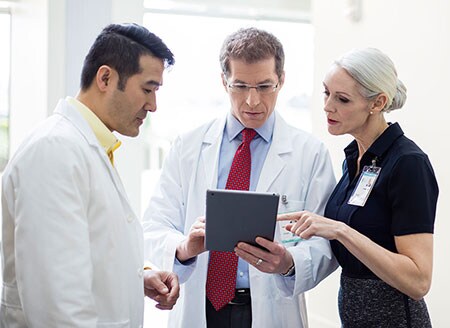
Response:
column 286, row 205
column 10, row 296
column 121, row 324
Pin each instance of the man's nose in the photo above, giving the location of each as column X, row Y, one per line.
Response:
column 253, row 98
column 151, row 104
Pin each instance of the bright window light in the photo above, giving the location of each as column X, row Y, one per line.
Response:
column 5, row 45
column 193, row 93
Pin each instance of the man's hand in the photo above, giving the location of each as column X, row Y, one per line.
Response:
column 195, row 242
column 274, row 258
column 162, row 287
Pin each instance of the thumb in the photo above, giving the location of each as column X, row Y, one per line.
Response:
column 155, row 282
column 288, row 227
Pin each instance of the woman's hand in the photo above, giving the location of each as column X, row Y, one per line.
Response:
column 409, row 270
column 310, row 224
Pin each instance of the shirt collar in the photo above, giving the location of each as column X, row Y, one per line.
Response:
column 380, row 145
column 234, row 127
column 104, row 136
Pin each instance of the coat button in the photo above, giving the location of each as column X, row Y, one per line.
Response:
column 130, row 218
column 140, row 272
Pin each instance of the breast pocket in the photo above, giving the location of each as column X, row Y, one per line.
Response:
column 117, row 324
column 287, row 238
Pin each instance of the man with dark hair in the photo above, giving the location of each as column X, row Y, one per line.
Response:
column 121, row 47
column 251, row 148
column 72, row 246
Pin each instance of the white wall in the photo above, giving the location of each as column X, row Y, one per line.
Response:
column 48, row 47
column 415, row 34
column 28, row 68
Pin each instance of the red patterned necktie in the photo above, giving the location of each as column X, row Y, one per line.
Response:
column 221, row 280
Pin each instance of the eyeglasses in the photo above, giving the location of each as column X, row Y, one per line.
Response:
column 263, row 89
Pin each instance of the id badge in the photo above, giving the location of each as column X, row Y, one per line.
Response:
column 288, row 238
column 364, row 186
column 286, row 205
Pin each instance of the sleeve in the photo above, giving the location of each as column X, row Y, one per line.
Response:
column 164, row 219
column 314, row 261
column 321, row 182
column 413, row 193
column 313, row 258
column 53, row 259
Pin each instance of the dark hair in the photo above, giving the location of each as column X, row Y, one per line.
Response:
column 251, row 45
column 121, row 46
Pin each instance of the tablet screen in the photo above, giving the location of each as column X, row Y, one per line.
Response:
column 236, row 215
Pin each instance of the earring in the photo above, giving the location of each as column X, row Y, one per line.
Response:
column 371, row 112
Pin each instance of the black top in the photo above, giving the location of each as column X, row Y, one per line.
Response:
column 403, row 199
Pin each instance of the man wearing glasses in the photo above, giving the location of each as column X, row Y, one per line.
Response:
column 280, row 159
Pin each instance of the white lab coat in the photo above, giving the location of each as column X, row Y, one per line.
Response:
column 72, row 246
column 297, row 166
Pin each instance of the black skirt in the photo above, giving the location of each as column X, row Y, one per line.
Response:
column 371, row 303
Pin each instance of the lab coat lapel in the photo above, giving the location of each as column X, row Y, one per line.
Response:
column 64, row 109
column 210, row 152
column 274, row 163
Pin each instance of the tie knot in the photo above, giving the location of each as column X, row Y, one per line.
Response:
column 248, row 135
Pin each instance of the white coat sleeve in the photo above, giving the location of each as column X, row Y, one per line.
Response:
column 164, row 220
column 313, row 258
column 53, row 259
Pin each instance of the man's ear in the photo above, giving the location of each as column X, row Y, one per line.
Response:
column 224, row 81
column 103, row 77
column 281, row 82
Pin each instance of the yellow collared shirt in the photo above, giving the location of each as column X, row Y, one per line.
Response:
column 104, row 136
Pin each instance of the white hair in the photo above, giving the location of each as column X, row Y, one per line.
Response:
column 376, row 74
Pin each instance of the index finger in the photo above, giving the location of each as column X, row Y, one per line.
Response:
column 271, row 246
column 293, row 216
column 173, row 284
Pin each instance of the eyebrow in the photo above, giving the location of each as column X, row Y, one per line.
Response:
column 260, row 82
column 338, row 92
column 343, row 93
column 153, row 83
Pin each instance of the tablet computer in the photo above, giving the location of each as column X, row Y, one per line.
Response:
column 236, row 215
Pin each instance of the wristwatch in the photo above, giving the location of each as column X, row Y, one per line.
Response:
column 289, row 272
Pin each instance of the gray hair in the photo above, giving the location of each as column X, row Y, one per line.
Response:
column 375, row 72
